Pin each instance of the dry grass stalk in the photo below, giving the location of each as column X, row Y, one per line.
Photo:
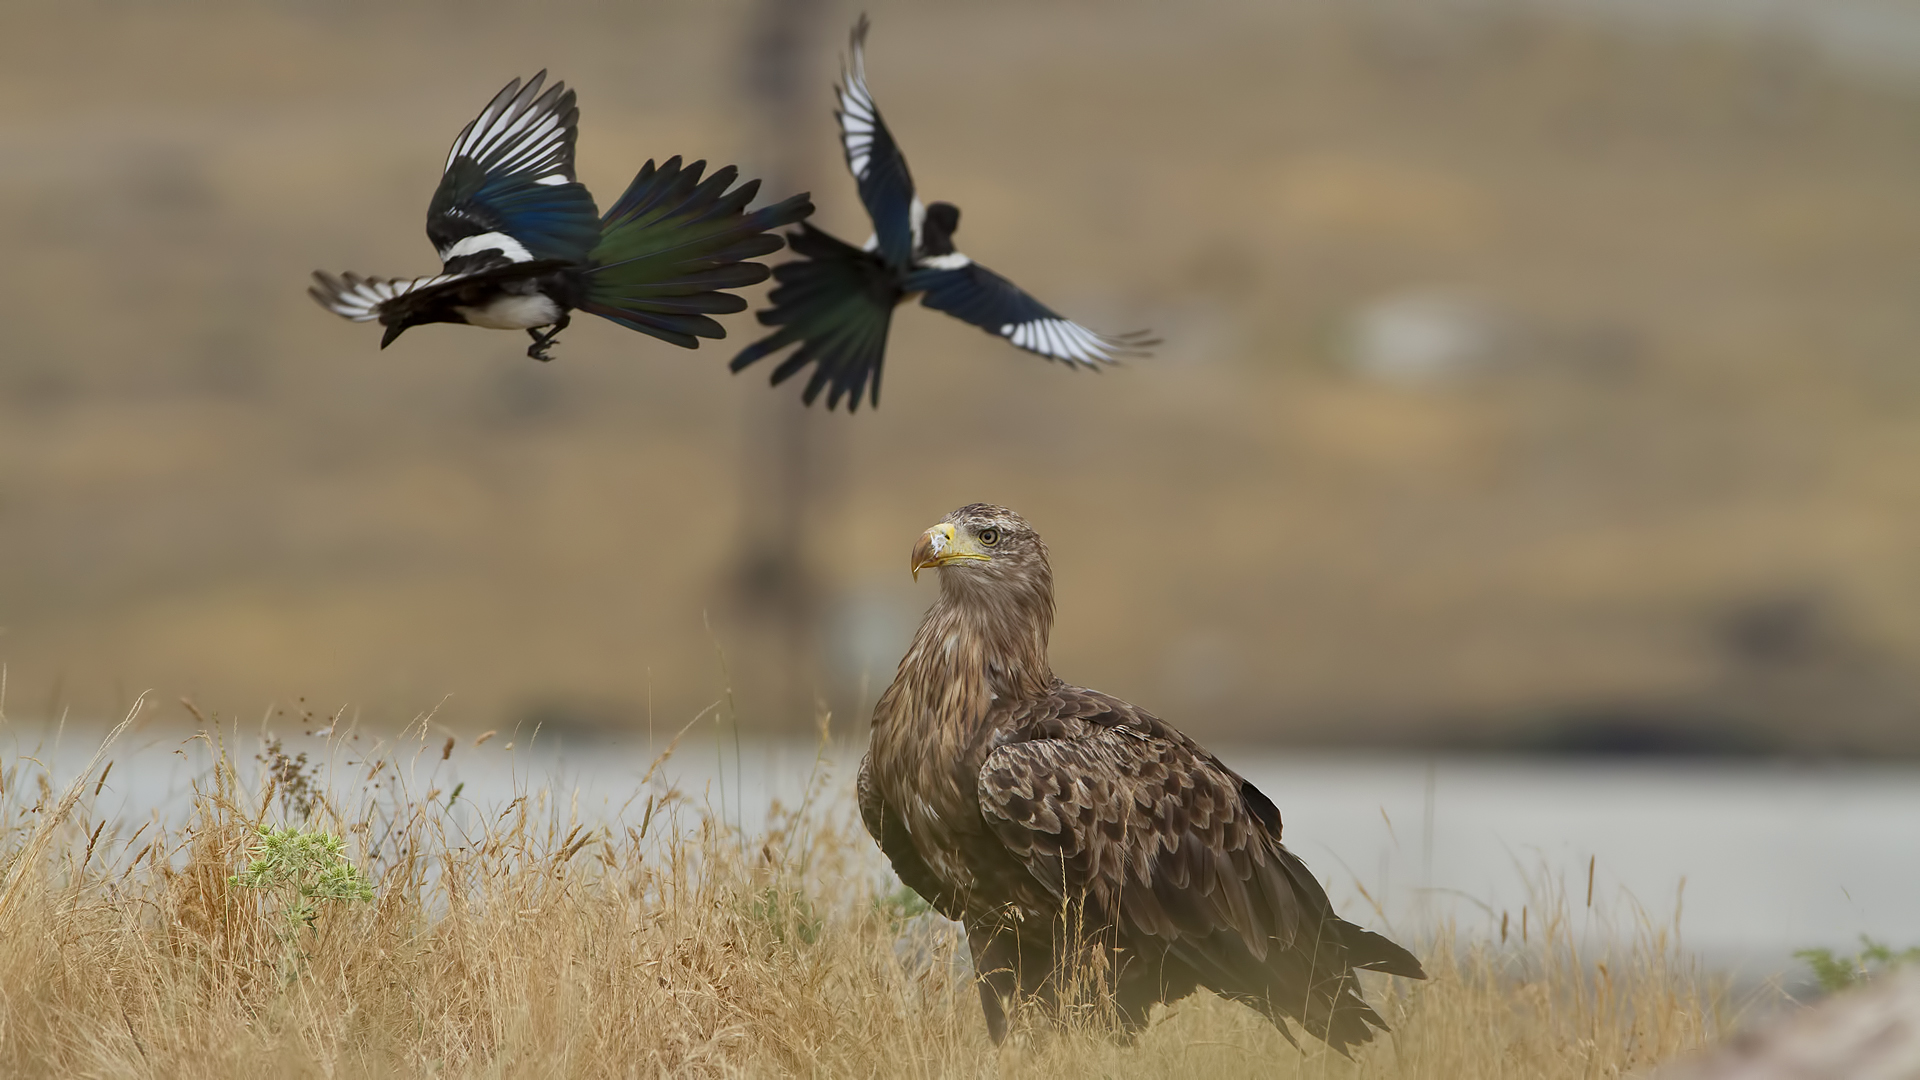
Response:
column 539, row 945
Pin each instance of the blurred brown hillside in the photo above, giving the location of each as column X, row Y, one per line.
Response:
column 1529, row 380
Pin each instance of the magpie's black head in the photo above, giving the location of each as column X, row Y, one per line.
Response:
column 401, row 320
column 937, row 229
column 431, row 305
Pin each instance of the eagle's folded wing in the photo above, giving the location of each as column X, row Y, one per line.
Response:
column 1145, row 831
column 1109, row 808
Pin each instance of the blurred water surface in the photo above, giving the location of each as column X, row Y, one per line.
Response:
column 1749, row 861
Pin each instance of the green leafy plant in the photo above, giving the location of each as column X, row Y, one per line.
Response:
column 901, row 906
column 305, row 869
column 1875, row 958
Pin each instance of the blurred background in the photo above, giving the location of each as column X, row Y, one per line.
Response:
column 1538, row 375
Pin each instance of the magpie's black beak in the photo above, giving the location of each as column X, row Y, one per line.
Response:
column 393, row 331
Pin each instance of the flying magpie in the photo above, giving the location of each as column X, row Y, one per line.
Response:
column 836, row 301
column 522, row 245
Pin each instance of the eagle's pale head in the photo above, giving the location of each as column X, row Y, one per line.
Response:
column 996, row 592
column 986, row 548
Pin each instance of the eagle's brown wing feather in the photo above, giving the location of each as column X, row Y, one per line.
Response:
column 1108, row 806
column 1141, row 827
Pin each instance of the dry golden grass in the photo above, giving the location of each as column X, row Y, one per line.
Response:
column 662, row 943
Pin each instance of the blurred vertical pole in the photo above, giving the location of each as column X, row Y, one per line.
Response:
column 787, row 478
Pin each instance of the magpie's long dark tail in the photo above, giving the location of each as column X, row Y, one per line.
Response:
column 673, row 242
column 836, row 303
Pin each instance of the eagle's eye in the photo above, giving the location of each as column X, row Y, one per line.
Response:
column 989, row 537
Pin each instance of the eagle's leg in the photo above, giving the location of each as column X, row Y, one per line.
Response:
column 996, row 967
column 541, row 341
column 1013, row 973
column 1146, row 978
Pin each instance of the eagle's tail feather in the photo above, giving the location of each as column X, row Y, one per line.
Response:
column 1372, row 952
column 1309, row 982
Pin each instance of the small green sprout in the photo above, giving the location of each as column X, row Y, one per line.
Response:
column 305, row 869
column 1836, row 973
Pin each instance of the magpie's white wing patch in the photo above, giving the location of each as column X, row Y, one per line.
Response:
column 859, row 117
column 522, row 131
column 1060, row 339
column 351, row 296
column 497, row 243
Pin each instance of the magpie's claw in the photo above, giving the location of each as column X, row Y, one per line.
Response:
column 542, row 342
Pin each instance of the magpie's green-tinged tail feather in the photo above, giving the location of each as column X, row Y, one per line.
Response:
column 836, row 303
column 671, row 245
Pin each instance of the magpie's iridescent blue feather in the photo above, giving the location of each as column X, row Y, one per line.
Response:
column 878, row 166
column 509, row 191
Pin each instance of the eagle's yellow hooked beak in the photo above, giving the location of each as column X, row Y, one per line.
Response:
column 941, row 545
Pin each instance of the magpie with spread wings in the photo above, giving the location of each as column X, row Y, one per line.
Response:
column 1088, row 846
column 522, row 245
column 835, row 303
